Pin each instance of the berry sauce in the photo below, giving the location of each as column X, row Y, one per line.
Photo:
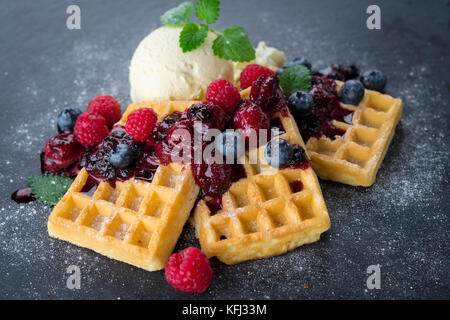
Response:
column 339, row 72
column 326, row 109
column 97, row 162
column 214, row 201
column 62, row 156
column 299, row 159
column 296, row 186
column 23, row 195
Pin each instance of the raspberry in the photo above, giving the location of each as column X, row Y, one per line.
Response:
column 251, row 73
column 189, row 270
column 222, row 93
column 249, row 118
column 107, row 107
column 90, row 129
column 264, row 90
column 140, row 123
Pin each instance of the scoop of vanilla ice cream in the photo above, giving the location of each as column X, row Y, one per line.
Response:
column 266, row 56
column 159, row 69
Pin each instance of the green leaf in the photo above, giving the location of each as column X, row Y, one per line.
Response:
column 208, row 10
column 49, row 189
column 178, row 15
column 295, row 78
column 192, row 36
column 233, row 44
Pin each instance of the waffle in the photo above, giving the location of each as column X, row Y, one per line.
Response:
column 136, row 222
column 356, row 157
column 261, row 216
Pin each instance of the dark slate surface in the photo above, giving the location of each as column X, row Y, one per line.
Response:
column 400, row 223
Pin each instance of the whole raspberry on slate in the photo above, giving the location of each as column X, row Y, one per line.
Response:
column 189, row 270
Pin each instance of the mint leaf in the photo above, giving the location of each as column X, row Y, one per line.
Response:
column 208, row 10
column 49, row 189
column 178, row 15
column 192, row 36
column 233, row 44
column 295, row 78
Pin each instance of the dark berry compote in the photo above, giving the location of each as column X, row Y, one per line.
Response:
column 299, row 159
column 141, row 165
column 339, row 72
column 326, row 109
column 62, row 155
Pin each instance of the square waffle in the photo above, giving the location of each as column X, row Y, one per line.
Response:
column 261, row 216
column 356, row 157
column 137, row 222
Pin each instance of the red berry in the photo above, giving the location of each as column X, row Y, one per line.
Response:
column 264, row 90
column 140, row 123
column 222, row 93
column 251, row 73
column 106, row 106
column 212, row 177
column 189, row 270
column 90, row 129
column 210, row 115
column 60, row 152
column 249, row 118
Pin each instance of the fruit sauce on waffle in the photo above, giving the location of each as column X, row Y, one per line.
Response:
column 63, row 155
column 326, row 109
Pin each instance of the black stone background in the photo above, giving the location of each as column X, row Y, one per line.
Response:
column 400, row 223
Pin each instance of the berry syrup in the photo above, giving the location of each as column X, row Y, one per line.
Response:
column 326, row 109
column 23, row 195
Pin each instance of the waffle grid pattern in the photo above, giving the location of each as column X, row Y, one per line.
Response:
column 136, row 222
column 261, row 215
column 356, row 157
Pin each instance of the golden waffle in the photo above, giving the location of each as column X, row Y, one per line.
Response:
column 261, row 216
column 136, row 222
column 356, row 157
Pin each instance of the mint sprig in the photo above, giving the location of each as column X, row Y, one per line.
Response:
column 231, row 43
column 49, row 189
column 295, row 78
column 192, row 36
column 208, row 10
column 178, row 15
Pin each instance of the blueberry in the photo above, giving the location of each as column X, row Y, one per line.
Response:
column 302, row 61
column 352, row 92
column 122, row 156
column 301, row 103
column 67, row 118
column 298, row 155
column 230, row 144
column 374, row 80
column 278, row 153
